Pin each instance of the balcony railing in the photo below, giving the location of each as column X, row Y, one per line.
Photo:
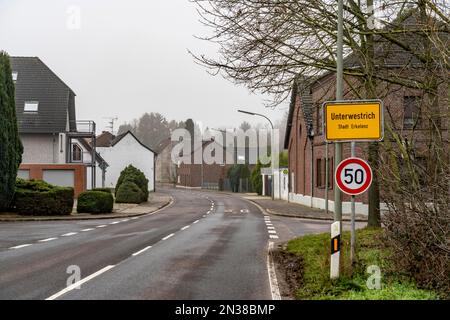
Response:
column 82, row 128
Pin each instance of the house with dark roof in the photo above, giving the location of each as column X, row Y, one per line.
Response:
column 311, row 158
column 53, row 140
column 123, row 150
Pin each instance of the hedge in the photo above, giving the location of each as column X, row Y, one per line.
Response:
column 129, row 192
column 107, row 190
column 138, row 177
column 34, row 197
column 95, row 201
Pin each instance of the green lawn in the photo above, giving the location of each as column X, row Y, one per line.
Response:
column 314, row 251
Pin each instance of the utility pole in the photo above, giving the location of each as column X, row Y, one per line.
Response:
column 339, row 96
column 336, row 227
column 274, row 162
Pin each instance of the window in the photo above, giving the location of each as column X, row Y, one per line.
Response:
column 31, row 106
column 411, row 105
column 321, row 172
column 77, row 153
column 319, row 118
column 14, row 75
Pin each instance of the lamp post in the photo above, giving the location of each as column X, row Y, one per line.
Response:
column 271, row 149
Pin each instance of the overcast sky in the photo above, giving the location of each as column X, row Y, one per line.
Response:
column 126, row 58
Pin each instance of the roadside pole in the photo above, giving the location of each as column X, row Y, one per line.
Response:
column 338, row 145
column 339, row 96
column 352, row 230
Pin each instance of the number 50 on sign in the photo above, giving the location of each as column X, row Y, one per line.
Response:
column 353, row 176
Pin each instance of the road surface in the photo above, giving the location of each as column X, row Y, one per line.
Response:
column 205, row 245
column 193, row 255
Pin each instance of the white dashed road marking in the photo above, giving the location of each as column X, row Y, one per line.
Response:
column 101, row 226
column 185, row 227
column 21, row 246
column 272, row 236
column 79, row 283
column 169, row 236
column 272, row 231
column 48, row 239
column 115, row 222
column 88, row 229
column 196, row 221
column 69, row 234
column 140, row 251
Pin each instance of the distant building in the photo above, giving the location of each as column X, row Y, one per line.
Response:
column 209, row 176
column 166, row 169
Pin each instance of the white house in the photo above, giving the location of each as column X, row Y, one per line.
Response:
column 54, row 143
column 123, row 150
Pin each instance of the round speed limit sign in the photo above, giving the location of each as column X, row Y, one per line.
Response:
column 353, row 176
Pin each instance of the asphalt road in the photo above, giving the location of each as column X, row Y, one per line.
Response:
column 180, row 252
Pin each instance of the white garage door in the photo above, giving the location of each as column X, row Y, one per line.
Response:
column 23, row 174
column 63, row 178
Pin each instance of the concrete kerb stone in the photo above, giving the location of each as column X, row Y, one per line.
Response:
column 163, row 204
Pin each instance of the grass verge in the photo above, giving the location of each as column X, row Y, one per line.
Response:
column 310, row 279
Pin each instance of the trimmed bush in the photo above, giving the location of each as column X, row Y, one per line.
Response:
column 129, row 192
column 34, row 197
column 107, row 190
column 137, row 176
column 95, row 201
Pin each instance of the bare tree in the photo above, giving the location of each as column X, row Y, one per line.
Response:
column 266, row 44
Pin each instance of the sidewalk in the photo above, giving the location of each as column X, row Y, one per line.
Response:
column 121, row 210
column 289, row 209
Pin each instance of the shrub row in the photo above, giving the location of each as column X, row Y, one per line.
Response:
column 35, row 197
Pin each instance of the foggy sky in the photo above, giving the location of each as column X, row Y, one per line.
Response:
column 127, row 58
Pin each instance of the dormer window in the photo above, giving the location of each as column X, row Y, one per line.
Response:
column 31, row 106
column 14, row 75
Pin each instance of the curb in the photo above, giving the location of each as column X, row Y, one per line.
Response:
column 65, row 218
column 269, row 211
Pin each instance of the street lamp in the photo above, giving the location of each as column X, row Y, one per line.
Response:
column 271, row 149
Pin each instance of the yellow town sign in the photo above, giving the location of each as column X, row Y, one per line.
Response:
column 353, row 120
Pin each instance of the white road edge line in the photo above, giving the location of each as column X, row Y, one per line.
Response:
column 140, row 251
column 21, row 246
column 169, row 236
column 274, row 288
column 79, row 283
column 185, row 227
column 48, row 239
column 69, row 234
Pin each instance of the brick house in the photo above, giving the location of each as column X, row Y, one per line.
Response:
column 305, row 133
column 210, row 176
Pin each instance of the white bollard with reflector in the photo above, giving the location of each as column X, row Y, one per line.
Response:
column 335, row 249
